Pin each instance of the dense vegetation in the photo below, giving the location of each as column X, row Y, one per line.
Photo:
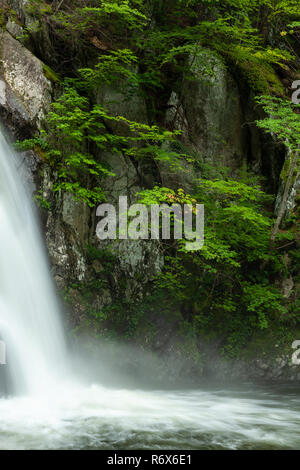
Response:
column 146, row 48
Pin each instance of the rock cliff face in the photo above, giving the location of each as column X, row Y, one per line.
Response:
column 25, row 93
column 208, row 111
column 212, row 112
column 25, row 97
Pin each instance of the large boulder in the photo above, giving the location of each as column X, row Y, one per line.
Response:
column 207, row 109
column 25, row 92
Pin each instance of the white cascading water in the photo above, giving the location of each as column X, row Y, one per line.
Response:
column 29, row 315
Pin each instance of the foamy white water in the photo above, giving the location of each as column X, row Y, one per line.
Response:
column 48, row 409
column 100, row 418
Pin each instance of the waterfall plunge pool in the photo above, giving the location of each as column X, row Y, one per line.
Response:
column 94, row 417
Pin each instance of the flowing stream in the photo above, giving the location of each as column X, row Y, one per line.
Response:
column 44, row 407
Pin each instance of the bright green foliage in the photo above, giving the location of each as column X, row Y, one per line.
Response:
column 118, row 12
column 71, row 129
column 228, row 266
column 284, row 120
column 163, row 34
column 230, row 28
column 111, row 69
column 74, row 127
column 159, row 195
column 42, row 202
column 263, row 300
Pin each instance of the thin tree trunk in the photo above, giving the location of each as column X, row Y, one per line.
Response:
column 285, row 196
column 59, row 5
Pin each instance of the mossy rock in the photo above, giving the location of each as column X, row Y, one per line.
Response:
column 3, row 17
column 50, row 74
column 262, row 77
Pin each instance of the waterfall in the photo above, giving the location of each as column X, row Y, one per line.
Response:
column 30, row 322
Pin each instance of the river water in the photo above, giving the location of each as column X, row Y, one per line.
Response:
column 94, row 417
